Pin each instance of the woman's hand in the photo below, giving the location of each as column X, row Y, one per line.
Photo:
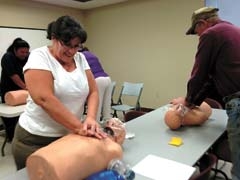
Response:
column 91, row 128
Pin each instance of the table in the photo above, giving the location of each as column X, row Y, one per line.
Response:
column 152, row 137
column 9, row 111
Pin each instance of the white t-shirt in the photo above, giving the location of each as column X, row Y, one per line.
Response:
column 70, row 87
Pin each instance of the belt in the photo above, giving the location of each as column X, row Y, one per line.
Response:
column 231, row 96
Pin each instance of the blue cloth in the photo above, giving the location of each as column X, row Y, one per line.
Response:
column 233, row 128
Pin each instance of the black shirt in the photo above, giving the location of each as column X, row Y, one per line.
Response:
column 10, row 65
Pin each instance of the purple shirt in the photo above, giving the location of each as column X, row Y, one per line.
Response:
column 95, row 65
column 217, row 63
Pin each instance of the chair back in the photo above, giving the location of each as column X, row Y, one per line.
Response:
column 213, row 103
column 132, row 115
column 131, row 89
column 113, row 86
column 207, row 162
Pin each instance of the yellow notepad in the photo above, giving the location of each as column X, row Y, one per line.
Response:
column 176, row 141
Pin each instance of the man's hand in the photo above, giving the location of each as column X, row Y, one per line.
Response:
column 182, row 100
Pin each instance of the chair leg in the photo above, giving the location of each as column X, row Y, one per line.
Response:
column 3, row 145
column 115, row 114
column 5, row 140
column 123, row 113
column 216, row 171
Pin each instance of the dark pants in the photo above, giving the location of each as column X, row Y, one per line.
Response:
column 10, row 124
column 25, row 143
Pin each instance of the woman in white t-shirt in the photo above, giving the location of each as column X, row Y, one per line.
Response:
column 59, row 81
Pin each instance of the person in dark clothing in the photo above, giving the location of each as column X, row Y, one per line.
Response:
column 12, row 76
column 213, row 94
column 217, row 64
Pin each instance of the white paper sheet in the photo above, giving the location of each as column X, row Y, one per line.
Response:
column 158, row 168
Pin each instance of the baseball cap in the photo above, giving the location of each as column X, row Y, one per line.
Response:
column 202, row 13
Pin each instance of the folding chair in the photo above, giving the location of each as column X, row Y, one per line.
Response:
column 113, row 84
column 132, row 115
column 213, row 103
column 4, row 134
column 206, row 163
column 128, row 90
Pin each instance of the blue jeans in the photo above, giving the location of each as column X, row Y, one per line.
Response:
column 233, row 128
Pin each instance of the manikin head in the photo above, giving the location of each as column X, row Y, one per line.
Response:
column 115, row 129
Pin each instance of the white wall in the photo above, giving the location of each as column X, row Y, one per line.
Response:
column 35, row 38
column 228, row 10
column 137, row 41
column 145, row 41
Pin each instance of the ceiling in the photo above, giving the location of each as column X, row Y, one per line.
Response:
column 81, row 5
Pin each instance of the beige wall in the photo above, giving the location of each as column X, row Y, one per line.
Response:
column 137, row 41
column 25, row 13
column 144, row 41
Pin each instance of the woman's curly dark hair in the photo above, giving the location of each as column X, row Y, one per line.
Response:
column 66, row 28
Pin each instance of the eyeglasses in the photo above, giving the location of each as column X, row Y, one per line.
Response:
column 197, row 24
column 69, row 46
column 201, row 21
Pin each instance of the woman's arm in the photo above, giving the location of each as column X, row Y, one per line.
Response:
column 93, row 97
column 90, row 124
column 41, row 89
column 18, row 81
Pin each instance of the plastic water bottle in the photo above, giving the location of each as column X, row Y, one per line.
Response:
column 117, row 170
column 123, row 169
